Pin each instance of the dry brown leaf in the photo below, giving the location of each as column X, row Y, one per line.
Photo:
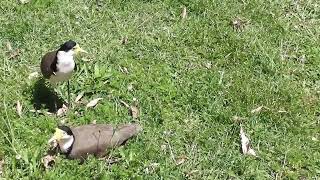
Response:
column 33, row 75
column 191, row 173
column 93, row 102
column 245, row 144
column 48, row 161
column 9, row 47
column 238, row 119
column 24, row 1
column 124, row 103
column 134, row 112
column 14, row 54
column 79, row 97
column 18, row 156
column 184, row 12
column 1, row 166
column 181, row 159
column 124, row 70
column 124, row 40
column 208, row 65
column 62, row 111
column 19, row 108
column 130, row 87
column 40, row 112
column 163, row 147
column 257, row 110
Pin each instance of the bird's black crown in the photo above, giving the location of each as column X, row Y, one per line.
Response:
column 66, row 129
column 67, row 46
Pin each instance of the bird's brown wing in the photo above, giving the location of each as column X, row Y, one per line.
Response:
column 48, row 64
column 95, row 139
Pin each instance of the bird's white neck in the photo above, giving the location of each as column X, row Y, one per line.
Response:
column 65, row 57
column 66, row 143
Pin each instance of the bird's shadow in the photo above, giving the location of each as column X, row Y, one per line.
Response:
column 45, row 97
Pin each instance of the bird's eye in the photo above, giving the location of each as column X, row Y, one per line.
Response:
column 73, row 48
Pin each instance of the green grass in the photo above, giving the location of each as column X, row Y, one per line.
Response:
column 186, row 105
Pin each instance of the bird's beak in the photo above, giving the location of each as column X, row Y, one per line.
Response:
column 56, row 136
column 78, row 50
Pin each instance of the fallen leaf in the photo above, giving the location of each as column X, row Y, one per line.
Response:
column 18, row 156
column 208, row 65
column 181, row 159
column 124, row 70
column 79, row 97
column 48, row 161
column 62, row 111
column 14, row 54
column 257, row 110
column 184, row 13
column 1, row 166
column 33, row 75
column 19, row 108
column 245, row 144
column 191, row 173
column 124, row 40
column 94, row 122
column 130, row 87
column 9, row 47
column 124, row 103
column 282, row 111
column 238, row 119
column 134, row 112
column 40, row 112
column 93, row 103
column 24, row 1
column 163, row 147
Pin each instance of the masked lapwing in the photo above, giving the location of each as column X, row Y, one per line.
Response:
column 58, row 66
column 94, row 139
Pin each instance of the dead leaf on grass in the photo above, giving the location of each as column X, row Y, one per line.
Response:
column 48, row 161
column 181, row 159
column 130, row 87
column 62, row 111
column 124, row 70
column 1, row 166
column 14, row 54
column 40, row 112
column 80, row 95
column 33, row 75
column 134, row 111
column 18, row 156
column 124, row 40
column 24, row 1
column 257, row 110
column 93, row 102
column 19, row 108
column 184, row 13
column 8, row 45
column 245, row 144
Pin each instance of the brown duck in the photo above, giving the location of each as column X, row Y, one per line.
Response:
column 96, row 139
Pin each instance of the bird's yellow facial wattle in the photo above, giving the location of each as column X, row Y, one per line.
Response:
column 57, row 136
column 77, row 49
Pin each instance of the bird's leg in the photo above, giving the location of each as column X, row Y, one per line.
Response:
column 69, row 103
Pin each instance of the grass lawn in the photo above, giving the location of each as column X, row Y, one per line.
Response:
column 194, row 80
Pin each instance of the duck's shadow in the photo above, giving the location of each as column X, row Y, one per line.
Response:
column 45, row 97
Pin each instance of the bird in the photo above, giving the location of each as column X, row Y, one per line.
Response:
column 92, row 139
column 58, row 66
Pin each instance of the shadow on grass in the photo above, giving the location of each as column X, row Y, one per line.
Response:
column 44, row 96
